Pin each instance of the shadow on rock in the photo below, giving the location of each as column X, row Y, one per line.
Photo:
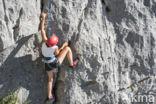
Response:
column 23, row 71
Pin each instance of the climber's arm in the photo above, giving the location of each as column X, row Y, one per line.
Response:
column 44, row 37
column 58, row 50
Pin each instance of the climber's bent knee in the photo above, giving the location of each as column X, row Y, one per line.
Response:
column 67, row 48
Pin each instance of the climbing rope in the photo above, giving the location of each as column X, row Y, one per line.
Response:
column 48, row 27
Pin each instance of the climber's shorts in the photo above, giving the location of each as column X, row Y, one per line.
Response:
column 51, row 66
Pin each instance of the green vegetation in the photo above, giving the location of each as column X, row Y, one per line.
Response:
column 137, row 83
column 27, row 102
column 11, row 98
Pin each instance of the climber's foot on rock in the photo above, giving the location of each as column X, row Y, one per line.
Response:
column 49, row 100
column 75, row 63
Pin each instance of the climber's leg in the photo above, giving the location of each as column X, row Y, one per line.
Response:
column 50, row 82
column 65, row 52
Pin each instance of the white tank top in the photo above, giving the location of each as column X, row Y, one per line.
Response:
column 48, row 51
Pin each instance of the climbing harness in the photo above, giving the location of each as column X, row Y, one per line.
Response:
column 48, row 59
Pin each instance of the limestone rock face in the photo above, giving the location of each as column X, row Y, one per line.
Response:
column 22, row 95
column 115, row 39
column 18, row 19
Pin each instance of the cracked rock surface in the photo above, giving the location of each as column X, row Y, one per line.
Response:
column 115, row 39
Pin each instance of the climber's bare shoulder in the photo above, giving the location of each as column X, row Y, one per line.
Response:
column 56, row 51
column 44, row 40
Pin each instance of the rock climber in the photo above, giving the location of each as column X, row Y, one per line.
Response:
column 54, row 56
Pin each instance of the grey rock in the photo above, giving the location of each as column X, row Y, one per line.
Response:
column 115, row 39
column 18, row 19
column 22, row 95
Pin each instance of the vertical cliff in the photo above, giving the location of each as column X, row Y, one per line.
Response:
column 115, row 39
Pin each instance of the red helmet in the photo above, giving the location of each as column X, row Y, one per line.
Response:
column 52, row 40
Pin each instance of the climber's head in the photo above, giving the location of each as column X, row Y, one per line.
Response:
column 52, row 40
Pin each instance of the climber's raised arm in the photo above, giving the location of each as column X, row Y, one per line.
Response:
column 44, row 37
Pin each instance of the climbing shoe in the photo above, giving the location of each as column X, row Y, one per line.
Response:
column 49, row 100
column 75, row 63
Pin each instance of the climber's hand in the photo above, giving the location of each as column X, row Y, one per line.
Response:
column 43, row 14
column 65, row 44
